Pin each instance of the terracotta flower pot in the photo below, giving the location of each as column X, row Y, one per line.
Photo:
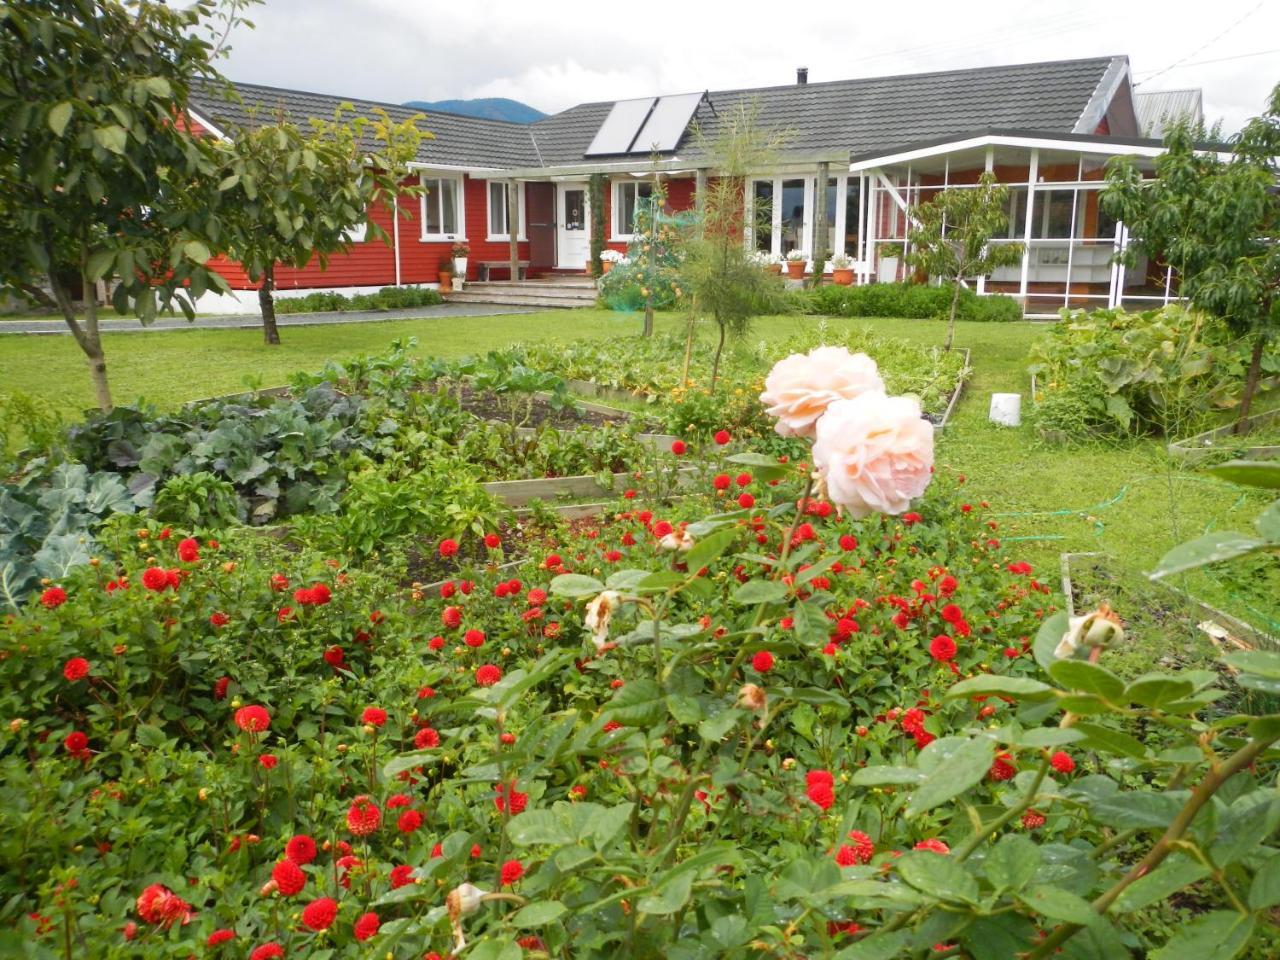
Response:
column 606, row 265
column 774, row 268
column 843, row 277
column 795, row 269
column 446, row 281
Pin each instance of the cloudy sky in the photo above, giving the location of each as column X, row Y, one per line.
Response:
column 553, row 54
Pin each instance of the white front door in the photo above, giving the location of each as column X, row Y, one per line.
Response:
column 573, row 223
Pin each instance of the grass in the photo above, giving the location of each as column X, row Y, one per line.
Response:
column 1128, row 501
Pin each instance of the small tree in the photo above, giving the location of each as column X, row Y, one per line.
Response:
column 290, row 195
column 100, row 178
column 719, row 273
column 1218, row 223
column 595, row 193
column 951, row 237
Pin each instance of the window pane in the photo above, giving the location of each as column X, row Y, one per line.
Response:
column 832, row 199
column 575, row 210
column 763, row 215
column 1106, row 227
column 852, row 215
column 449, row 205
column 1054, row 213
column 627, row 208
column 497, row 209
column 792, row 226
column 1018, row 212
column 433, row 206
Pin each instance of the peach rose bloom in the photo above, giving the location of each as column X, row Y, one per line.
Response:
column 800, row 387
column 875, row 453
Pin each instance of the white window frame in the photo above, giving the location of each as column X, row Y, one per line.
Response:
column 488, row 209
column 811, row 196
column 460, row 207
column 615, row 206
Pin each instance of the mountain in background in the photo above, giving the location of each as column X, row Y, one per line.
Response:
column 487, row 108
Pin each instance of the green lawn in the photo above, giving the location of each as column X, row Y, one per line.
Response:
column 1128, row 501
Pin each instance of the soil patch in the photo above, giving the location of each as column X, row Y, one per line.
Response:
column 533, row 411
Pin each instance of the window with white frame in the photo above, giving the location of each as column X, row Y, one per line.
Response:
column 627, row 195
column 498, row 228
column 442, row 213
column 782, row 213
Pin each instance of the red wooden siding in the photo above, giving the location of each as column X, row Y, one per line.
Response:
column 371, row 263
column 680, row 197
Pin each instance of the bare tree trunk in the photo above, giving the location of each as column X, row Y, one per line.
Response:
column 87, row 336
column 1250, row 384
column 267, row 303
column 820, row 251
column 688, row 345
column 715, row 365
column 951, row 321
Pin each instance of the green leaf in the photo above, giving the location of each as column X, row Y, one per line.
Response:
column 1251, row 473
column 59, row 117
column 812, row 627
column 939, row 876
column 605, row 824
column 989, row 684
column 669, row 894
column 149, row 736
column 1081, row 675
column 1265, row 890
column 541, row 826
column 575, row 585
column 99, row 264
column 1162, row 882
column 705, row 551
column 195, row 251
column 1058, row 904
column 158, row 87
column 659, row 581
column 1158, row 689
column 1121, row 811
column 1106, row 740
column 638, row 703
column 626, row 581
column 503, row 949
column 113, row 138
column 1210, row 548
column 878, row 946
column 760, row 591
column 1048, row 737
column 1260, row 663
column 763, row 468
column 961, row 769
column 1219, row 935
column 884, row 776
column 1268, row 523
column 408, row 761
column 1048, row 637
column 714, row 728
column 1012, row 862
column 538, row 913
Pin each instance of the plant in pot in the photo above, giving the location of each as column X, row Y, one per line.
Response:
column 842, row 270
column 461, row 252
column 796, row 261
column 890, row 256
column 610, row 258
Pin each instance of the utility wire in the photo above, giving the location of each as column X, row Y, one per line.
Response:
column 1208, row 43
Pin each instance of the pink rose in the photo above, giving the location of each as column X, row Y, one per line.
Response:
column 875, row 453
column 800, row 387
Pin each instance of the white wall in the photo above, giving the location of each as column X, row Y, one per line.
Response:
column 246, row 301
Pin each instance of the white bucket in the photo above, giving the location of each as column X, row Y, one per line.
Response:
column 1006, row 409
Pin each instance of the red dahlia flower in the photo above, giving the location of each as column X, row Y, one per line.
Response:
column 488, row 675
column 512, row 871
column 721, row 481
column 367, row 926
column 762, row 662
column 426, row 738
column 219, row 619
column 678, row 448
column 1062, row 762
column 375, row 716
column 53, row 597
column 942, row 648
column 473, row 638
column 933, row 845
column 492, row 541
column 364, row 817
column 75, row 742
column 451, row 617
column 401, row 876
column 722, row 437
column 189, row 550
column 77, row 668
column 159, row 905
column 746, row 501
column 155, row 579
column 253, row 718
column 409, row 821
column 319, row 914
column 289, row 878
column 448, row 548
column 219, row 937
column 268, row 951
column 300, row 849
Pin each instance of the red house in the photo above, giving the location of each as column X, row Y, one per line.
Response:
column 883, row 144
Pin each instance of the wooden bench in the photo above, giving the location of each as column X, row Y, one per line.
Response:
column 522, row 267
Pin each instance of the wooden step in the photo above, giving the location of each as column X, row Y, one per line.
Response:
column 521, row 300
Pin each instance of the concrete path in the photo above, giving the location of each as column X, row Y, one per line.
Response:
column 114, row 323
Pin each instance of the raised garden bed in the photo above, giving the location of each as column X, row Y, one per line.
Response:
column 518, row 493
column 1224, row 443
column 940, row 422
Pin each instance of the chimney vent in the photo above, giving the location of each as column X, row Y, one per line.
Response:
column 802, row 74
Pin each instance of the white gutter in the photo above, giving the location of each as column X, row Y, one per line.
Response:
column 206, row 124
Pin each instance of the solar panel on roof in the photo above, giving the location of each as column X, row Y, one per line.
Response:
column 618, row 131
column 666, row 123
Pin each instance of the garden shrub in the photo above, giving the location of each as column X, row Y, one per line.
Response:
column 1110, row 373
column 388, row 298
column 908, row 301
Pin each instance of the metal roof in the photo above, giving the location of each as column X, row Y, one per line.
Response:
column 852, row 117
column 1155, row 108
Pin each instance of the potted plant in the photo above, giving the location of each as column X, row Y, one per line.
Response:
column 461, row 252
column 445, row 274
column 890, row 255
column 772, row 263
column 842, row 270
column 796, row 261
column 609, row 259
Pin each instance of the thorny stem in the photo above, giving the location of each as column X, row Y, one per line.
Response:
column 1213, row 780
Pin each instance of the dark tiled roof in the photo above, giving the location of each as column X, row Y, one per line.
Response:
column 456, row 140
column 848, row 116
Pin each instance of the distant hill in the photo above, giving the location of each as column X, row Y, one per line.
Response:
column 488, row 108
